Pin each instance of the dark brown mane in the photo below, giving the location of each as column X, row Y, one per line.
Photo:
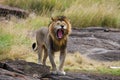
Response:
column 51, row 29
column 59, row 18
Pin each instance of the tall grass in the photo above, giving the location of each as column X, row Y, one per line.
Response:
column 40, row 6
column 94, row 13
column 16, row 37
column 82, row 13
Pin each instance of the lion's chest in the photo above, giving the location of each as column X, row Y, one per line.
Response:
column 56, row 47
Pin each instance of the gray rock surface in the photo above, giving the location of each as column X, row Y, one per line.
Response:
column 7, row 11
column 96, row 42
column 22, row 70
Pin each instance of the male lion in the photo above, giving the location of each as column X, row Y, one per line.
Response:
column 52, row 39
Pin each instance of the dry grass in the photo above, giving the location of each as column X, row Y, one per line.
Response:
column 82, row 13
column 16, row 37
column 77, row 62
column 94, row 13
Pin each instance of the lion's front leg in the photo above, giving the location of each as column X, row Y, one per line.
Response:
column 51, row 57
column 62, row 60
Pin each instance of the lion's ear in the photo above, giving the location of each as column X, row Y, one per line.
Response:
column 52, row 19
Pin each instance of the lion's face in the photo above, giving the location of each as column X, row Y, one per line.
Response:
column 60, row 28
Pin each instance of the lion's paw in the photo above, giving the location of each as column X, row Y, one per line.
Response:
column 54, row 72
column 62, row 73
column 39, row 63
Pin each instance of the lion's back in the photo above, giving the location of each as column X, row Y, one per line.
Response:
column 41, row 34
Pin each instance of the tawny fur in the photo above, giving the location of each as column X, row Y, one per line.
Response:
column 47, row 40
column 51, row 29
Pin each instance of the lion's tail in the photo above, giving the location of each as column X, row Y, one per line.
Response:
column 34, row 46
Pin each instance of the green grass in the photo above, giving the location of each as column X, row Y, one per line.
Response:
column 109, row 71
column 16, row 39
column 5, row 42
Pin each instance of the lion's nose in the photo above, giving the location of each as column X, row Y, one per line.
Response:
column 62, row 26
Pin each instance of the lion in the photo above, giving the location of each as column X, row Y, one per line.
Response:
column 52, row 39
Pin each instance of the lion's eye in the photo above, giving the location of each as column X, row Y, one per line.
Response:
column 58, row 23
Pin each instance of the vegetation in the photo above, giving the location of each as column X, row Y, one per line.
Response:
column 16, row 35
column 82, row 13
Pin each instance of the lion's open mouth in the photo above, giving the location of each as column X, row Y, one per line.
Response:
column 60, row 33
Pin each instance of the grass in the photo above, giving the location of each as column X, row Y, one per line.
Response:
column 80, row 63
column 94, row 13
column 16, row 35
column 109, row 71
column 5, row 43
column 40, row 6
column 82, row 13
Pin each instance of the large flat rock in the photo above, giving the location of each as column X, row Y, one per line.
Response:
column 22, row 70
column 96, row 42
column 8, row 10
column 19, row 68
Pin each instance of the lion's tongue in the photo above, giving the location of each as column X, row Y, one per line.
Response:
column 60, row 34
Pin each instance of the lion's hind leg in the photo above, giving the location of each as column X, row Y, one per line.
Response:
column 45, row 56
column 40, row 50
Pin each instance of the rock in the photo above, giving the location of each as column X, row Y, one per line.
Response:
column 22, row 70
column 84, row 76
column 96, row 42
column 30, row 68
column 9, row 68
column 7, row 10
column 8, row 75
column 109, row 55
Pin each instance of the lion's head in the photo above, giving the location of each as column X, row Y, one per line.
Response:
column 59, row 28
